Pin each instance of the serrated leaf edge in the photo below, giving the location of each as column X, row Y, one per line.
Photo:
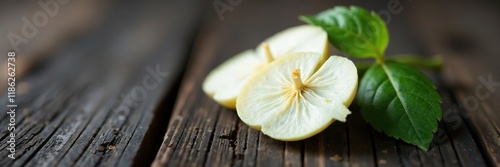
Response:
column 389, row 76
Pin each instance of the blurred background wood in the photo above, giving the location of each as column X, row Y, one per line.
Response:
column 41, row 42
column 98, row 100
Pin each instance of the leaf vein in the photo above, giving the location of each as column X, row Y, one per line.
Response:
column 403, row 103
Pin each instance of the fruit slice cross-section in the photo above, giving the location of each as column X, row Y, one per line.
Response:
column 298, row 96
column 304, row 38
column 224, row 83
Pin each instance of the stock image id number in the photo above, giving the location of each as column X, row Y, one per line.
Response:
column 11, row 80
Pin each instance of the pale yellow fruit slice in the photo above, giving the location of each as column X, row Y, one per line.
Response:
column 298, row 96
column 303, row 38
column 224, row 83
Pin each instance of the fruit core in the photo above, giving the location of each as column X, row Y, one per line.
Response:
column 297, row 81
column 269, row 56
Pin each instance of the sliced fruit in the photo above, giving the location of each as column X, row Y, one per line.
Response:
column 224, row 83
column 304, row 38
column 298, row 96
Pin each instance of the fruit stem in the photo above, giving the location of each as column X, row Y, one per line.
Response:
column 269, row 56
column 433, row 63
column 297, row 81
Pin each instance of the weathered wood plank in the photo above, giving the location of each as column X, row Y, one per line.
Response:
column 95, row 102
column 353, row 143
column 36, row 43
column 458, row 136
column 408, row 154
column 360, row 143
column 250, row 154
column 293, row 154
column 270, row 152
column 218, row 41
column 468, row 41
column 222, row 150
column 385, row 150
column 208, row 49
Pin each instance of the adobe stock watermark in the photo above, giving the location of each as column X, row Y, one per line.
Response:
column 31, row 25
column 139, row 93
column 221, row 7
column 452, row 118
column 11, row 104
column 29, row 29
column 394, row 7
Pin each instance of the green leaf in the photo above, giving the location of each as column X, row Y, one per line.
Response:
column 353, row 30
column 401, row 102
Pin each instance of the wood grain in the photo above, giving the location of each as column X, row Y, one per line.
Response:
column 76, row 107
column 470, row 52
column 95, row 103
column 353, row 143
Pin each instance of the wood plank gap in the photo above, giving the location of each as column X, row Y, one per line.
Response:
column 302, row 152
column 444, row 155
column 374, row 150
column 451, row 133
column 155, row 135
column 473, row 131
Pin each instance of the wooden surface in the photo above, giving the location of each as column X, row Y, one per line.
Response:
column 85, row 107
column 79, row 102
